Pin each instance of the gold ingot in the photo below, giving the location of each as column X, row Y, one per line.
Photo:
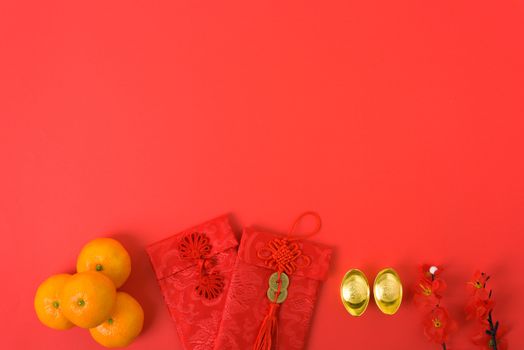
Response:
column 354, row 292
column 388, row 291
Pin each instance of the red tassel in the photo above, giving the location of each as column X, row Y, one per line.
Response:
column 268, row 329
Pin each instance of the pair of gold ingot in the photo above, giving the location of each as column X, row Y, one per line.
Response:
column 355, row 293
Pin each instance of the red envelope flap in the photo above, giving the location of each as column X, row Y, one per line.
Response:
column 164, row 254
column 252, row 240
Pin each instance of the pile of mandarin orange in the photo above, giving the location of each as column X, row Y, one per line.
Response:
column 89, row 298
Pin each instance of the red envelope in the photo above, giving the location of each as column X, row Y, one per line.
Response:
column 247, row 302
column 193, row 269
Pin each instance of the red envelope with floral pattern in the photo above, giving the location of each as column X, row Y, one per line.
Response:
column 193, row 269
column 248, row 304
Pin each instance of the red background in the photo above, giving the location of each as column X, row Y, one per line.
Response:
column 400, row 122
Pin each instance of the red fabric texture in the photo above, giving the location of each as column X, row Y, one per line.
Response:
column 197, row 318
column 247, row 303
